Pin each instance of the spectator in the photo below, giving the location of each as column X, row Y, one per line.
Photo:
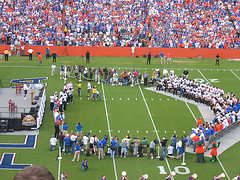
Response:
column 67, row 141
column 53, row 143
column 77, row 152
column 164, row 147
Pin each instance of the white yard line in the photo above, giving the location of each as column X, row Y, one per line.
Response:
column 204, row 76
column 191, row 111
column 109, row 130
column 150, row 115
column 235, row 75
column 59, row 163
column 223, row 168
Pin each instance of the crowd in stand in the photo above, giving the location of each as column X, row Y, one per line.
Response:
column 150, row 23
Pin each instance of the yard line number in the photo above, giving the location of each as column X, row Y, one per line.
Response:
column 184, row 170
column 199, row 80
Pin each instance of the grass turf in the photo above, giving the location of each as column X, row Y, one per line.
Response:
column 124, row 116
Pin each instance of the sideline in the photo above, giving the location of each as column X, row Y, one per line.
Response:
column 203, row 76
column 235, row 74
column 109, row 130
column 150, row 115
column 223, row 168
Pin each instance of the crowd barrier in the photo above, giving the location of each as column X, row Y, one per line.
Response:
column 127, row 51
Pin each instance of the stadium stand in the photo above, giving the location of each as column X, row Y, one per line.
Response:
column 140, row 23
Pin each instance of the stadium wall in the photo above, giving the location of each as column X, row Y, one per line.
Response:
column 126, row 51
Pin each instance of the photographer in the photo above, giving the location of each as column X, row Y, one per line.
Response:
column 152, row 147
column 136, row 145
column 164, row 147
column 124, row 148
column 145, row 145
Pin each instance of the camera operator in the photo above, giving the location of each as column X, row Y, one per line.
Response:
column 136, row 145
column 164, row 147
column 64, row 176
column 145, row 145
column 152, row 147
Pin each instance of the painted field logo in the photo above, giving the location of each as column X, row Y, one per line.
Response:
column 28, row 121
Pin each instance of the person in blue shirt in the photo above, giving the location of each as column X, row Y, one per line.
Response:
column 100, row 149
column 85, row 165
column 103, row 177
column 47, row 53
column 145, row 78
column 162, row 57
column 104, row 142
column 67, row 141
column 65, row 128
column 174, row 142
column 79, row 129
column 77, row 152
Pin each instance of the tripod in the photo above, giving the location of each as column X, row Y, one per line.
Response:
column 65, row 52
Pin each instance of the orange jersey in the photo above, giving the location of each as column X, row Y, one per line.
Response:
column 40, row 57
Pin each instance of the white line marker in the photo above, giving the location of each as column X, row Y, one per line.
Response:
column 204, row 69
column 175, row 99
column 224, row 70
column 168, row 99
column 80, row 98
column 174, row 132
column 152, row 99
column 210, row 69
column 191, row 111
column 119, row 68
column 112, row 98
column 204, row 77
column 118, row 131
column 120, row 99
column 100, row 131
column 179, row 69
column 146, row 131
column 137, row 131
column 235, row 74
column 128, row 98
column 127, row 131
column 191, row 69
column 183, row 131
column 105, row 105
column 152, row 68
column 136, row 99
column 145, row 68
column 150, row 115
column 217, row 69
column 165, row 131
column 223, row 168
column 237, row 70
column 139, row 68
column 90, row 131
column 160, row 99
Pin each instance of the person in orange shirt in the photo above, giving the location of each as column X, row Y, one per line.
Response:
column 169, row 58
column 195, row 140
column 199, row 121
column 39, row 59
column 200, row 152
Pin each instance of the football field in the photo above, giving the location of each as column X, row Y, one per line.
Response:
column 124, row 110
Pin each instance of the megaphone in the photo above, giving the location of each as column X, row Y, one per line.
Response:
column 222, row 175
column 173, row 173
column 194, row 176
column 124, row 173
column 145, row 176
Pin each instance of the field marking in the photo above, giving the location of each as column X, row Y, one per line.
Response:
column 59, row 163
column 223, row 168
column 191, row 111
column 203, row 76
column 235, row 74
column 150, row 115
column 176, row 68
column 109, row 130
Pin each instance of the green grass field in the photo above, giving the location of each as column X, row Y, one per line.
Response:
column 129, row 115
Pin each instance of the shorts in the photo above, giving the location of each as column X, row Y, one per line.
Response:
column 91, row 146
column 40, row 62
column 124, row 150
column 88, row 90
column 85, row 146
column 25, row 91
column 179, row 150
column 61, row 73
